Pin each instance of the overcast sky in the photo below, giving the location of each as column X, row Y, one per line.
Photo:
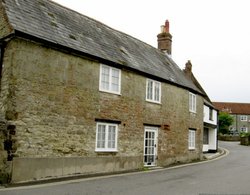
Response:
column 213, row 34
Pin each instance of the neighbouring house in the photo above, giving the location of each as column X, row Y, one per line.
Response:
column 240, row 113
column 210, row 130
column 78, row 97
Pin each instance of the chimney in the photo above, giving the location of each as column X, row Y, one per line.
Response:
column 188, row 69
column 165, row 39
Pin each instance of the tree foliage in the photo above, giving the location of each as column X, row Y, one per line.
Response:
column 225, row 120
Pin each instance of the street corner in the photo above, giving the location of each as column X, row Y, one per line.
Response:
column 220, row 153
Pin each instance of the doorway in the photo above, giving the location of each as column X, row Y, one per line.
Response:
column 150, row 146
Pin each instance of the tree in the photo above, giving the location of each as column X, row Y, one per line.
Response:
column 225, row 120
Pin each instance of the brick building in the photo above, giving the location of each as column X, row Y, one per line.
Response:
column 78, row 97
column 240, row 113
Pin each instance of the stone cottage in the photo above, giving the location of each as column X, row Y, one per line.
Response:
column 78, row 97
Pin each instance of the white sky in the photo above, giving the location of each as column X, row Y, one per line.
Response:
column 213, row 34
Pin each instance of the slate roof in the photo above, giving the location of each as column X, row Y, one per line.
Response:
column 207, row 100
column 233, row 108
column 53, row 23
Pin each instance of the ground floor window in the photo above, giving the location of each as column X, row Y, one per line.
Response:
column 191, row 139
column 106, row 137
column 244, row 129
column 206, row 136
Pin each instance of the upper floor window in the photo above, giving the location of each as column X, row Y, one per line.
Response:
column 243, row 118
column 110, row 79
column 106, row 137
column 191, row 139
column 210, row 114
column 153, row 91
column 192, row 102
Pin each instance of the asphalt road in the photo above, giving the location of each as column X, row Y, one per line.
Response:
column 229, row 175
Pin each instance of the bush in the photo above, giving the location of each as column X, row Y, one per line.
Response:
column 245, row 138
column 244, row 134
column 225, row 120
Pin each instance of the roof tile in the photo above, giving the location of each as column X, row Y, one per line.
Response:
column 233, row 108
column 52, row 22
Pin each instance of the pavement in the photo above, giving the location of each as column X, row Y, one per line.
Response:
column 220, row 152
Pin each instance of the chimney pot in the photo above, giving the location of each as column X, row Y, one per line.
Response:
column 167, row 26
column 163, row 29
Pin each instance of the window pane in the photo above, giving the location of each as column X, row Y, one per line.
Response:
column 111, row 136
column 115, row 80
column 192, row 102
column 150, row 90
column 191, row 139
column 105, row 78
column 101, row 136
column 157, row 92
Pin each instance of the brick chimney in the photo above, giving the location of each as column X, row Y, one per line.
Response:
column 165, row 39
column 188, row 69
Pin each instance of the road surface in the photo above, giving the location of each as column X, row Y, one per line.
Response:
column 229, row 175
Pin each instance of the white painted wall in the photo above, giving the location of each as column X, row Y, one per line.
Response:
column 212, row 132
column 212, row 139
column 206, row 116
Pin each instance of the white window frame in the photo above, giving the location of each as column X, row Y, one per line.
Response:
column 244, row 129
column 192, row 102
column 154, row 98
column 106, row 147
column 109, row 81
column 243, row 118
column 191, row 139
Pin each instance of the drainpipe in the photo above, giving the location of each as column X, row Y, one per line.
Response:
column 236, row 118
column 217, row 141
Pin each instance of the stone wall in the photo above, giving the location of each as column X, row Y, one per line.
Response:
column 57, row 167
column 53, row 100
column 228, row 137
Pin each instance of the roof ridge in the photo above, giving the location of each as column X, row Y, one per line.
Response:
column 231, row 103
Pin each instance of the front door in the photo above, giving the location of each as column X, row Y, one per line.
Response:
column 150, row 146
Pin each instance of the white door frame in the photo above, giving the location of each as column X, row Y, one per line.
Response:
column 150, row 146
